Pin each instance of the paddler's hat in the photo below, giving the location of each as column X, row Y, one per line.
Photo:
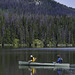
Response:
column 31, row 55
column 58, row 56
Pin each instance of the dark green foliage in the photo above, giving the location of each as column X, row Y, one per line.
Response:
column 27, row 20
column 27, row 28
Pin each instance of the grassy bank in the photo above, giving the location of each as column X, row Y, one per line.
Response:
column 36, row 46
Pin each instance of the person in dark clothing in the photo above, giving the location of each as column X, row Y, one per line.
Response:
column 32, row 59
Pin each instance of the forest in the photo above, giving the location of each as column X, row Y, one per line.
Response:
column 34, row 29
column 36, row 23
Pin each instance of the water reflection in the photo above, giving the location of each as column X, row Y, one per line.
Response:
column 32, row 71
column 35, row 69
column 59, row 71
column 9, row 61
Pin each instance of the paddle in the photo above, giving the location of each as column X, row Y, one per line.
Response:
column 54, row 63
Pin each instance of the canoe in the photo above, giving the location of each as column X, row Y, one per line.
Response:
column 44, row 64
column 42, row 67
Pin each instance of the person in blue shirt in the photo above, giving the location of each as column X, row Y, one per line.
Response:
column 59, row 59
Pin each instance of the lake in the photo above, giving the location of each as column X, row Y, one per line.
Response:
column 9, row 61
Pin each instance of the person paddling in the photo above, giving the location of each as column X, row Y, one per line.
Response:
column 32, row 59
column 59, row 59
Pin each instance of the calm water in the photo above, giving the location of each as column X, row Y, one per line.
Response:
column 9, row 61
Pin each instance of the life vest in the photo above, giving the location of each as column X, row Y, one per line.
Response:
column 61, row 60
column 33, row 59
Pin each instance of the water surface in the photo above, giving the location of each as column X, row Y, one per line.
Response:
column 9, row 61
